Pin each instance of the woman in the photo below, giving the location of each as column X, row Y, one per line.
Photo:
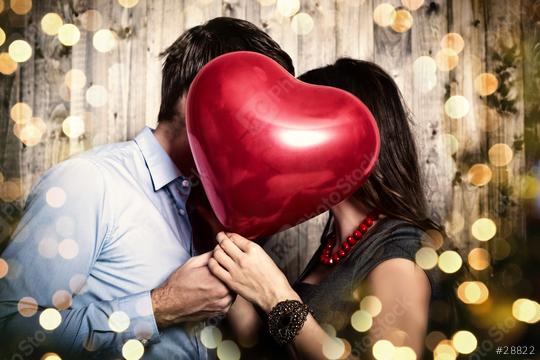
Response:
column 368, row 248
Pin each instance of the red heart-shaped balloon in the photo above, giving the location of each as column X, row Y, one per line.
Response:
column 273, row 151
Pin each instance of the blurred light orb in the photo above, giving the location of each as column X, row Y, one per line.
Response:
column 55, row 197
column 61, row 299
column 27, row 306
column 91, row 20
column 193, row 16
column 48, row 248
column 384, row 15
column 50, row 356
column 69, row 34
column 73, row 127
column 211, row 336
column 446, row 59
column 51, row 23
column 77, row 283
column 479, row 259
column 404, row 353
column 30, row 135
column 119, row 321
column 21, row 113
column 75, row 79
column 450, row 261
column 500, row 154
column 433, row 338
column 371, row 304
column 434, row 239
column 403, row 21
column 4, row 268
column 133, row 349
column 526, row 310
column 451, row 143
column 21, row 7
column 20, row 51
column 453, row 41
column 484, row 229
column 456, row 106
column 302, row 23
column 412, row 4
column 424, row 65
column 128, row 3
column 68, row 249
column 2, row 5
column 104, row 40
column 228, row 350
column 529, row 187
column 7, row 65
column 486, row 84
column 96, row 95
column 361, row 320
column 2, row 37
column 479, row 174
column 464, row 342
column 50, row 319
column 383, row 350
column 426, row 257
column 333, row 348
column 287, row 8
column 473, row 292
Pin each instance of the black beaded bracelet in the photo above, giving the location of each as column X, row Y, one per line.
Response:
column 286, row 319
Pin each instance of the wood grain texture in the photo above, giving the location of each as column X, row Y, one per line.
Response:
column 492, row 29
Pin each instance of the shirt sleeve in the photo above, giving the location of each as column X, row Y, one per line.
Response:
column 65, row 224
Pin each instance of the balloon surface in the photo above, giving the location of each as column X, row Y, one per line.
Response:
column 273, row 151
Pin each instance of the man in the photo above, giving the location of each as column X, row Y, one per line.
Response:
column 105, row 238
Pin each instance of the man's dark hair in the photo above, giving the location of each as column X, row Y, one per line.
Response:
column 200, row 44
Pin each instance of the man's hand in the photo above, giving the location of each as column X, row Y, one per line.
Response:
column 191, row 293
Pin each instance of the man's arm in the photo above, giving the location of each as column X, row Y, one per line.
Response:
column 66, row 223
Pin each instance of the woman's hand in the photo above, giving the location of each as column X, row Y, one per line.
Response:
column 246, row 269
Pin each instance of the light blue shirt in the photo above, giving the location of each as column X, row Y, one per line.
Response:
column 99, row 232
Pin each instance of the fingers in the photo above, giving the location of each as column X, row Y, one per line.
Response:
column 229, row 246
column 223, row 259
column 218, row 271
column 201, row 260
column 240, row 241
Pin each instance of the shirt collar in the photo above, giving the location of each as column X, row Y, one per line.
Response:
column 161, row 167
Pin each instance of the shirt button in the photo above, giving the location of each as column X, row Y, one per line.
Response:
column 182, row 212
column 185, row 183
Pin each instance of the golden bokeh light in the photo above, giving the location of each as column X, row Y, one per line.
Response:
column 473, row 292
column 287, row 8
column 61, row 299
column 403, row 21
column 451, row 143
column 68, row 249
column 333, row 348
column 526, row 310
column 119, row 321
column 4, row 268
column 302, row 23
column 383, row 350
column 371, row 304
column 20, row 51
column 457, row 106
column 133, row 349
column 426, row 257
column 434, row 239
column 105, row 40
column 479, row 259
column 73, row 126
column 75, row 79
column 450, row 261
column 50, row 319
column 56, row 197
column 10, row 190
column 96, row 95
column 424, row 65
column 384, row 15
column 453, row 41
column 484, row 229
column 21, row 7
column 211, row 336
column 228, row 350
column 2, row 37
column 464, row 342
column 446, row 59
column 27, row 306
column 128, row 3
column 51, row 23
column 7, row 65
column 486, row 84
column 500, row 154
column 479, row 175
column 30, row 134
column 69, row 34
column 361, row 320
column 91, row 20
column 404, row 353
column 21, row 113
column 412, row 4
column 50, row 356
column 444, row 351
column 529, row 187
column 434, row 338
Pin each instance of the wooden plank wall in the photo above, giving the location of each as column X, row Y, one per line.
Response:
column 131, row 75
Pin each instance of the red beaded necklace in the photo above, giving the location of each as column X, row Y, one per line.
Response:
column 328, row 259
